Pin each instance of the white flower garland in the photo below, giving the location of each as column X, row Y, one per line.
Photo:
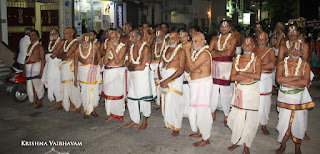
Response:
column 55, row 43
column 225, row 42
column 95, row 41
column 69, row 45
column 248, row 64
column 31, row 50
column 105, row 43
column 286, row 73
column 137, row 62
column 196, row 54
column 172, row 55
column 119, row 47
column 155, row 49
column 288, row 45
column 82, row 56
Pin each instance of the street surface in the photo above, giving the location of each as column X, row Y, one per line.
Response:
column 22, row 123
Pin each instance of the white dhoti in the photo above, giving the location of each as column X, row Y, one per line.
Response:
column 292, row 106
column 186, row 94
column 276, row 51
column 141, row 90
column 33, row 81
column 154, row 67
column 222, row 90
column 51, row 78
column 244, row 117
column 89, row 78
column 114, row 90
column 265, row 86
column 69, row 91
column 171, row 100
column 199, row 111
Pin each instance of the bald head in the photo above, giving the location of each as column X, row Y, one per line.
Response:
column 198, row 41
column 68, row 33
column 262, row 39
column 174, row 39
column 296, row 49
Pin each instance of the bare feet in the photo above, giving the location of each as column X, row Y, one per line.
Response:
column 281, row 149
column 202, row 143
column 32, row 104
column 132, row 124
column 53, row 106
column 165, row 127
column 38, row 106
column 195, row 135
column 246, row 150
column 86, row 117
column 120, row 121
column 225, row 122
column 94, row 114
column 214, row 115
column 72, row 109
column 144, row 124
column 265, row 130
column 60, row 107
column 306, row 137
column 109, row 119
column 77, row 111
column 232, row 147
column 175, row 133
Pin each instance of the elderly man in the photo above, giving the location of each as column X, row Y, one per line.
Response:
column 244, row 118
column 293, row 75
column 70, row 92
column 141, row 88
column 33, row 69
column 200, row 82
column 88, row 73
column 114, row 78
column 23, row 45
column 157, row 49
column 268, row 62
column 170, row 74
column 222, row 48
column 53, row 82
column 293, row 33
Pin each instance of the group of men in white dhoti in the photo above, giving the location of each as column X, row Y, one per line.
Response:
column 186, row 78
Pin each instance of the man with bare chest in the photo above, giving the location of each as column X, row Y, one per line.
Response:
column 114, row 78
column 94, row 40
column 244, row 118
column 87, row 68
column 294, row 100
column 171, row 69
column 33, row 70
column 141, row 88
column 268, row 62
column 157, row 48
column 53, row 82
column 200, row 81
column 70, row 92
column 222, row 49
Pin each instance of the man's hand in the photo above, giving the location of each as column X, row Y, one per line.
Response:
column 52, row 57
column 130, row 68
column 76, row 83
column 164, row 84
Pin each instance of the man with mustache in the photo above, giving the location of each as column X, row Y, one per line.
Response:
column 141, row 88
column 170, row 71
column 222, row 49
column 87, row 74
column 53, row 82
column 294, row 100
column 200, row 82
column 114, row 78
column 244, row 117
column 268, row 62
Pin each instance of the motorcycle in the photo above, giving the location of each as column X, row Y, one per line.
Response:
column 17, row 85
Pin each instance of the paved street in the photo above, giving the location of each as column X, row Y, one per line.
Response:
column 21, row 123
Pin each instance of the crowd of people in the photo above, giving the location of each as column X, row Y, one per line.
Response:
column 181, row 73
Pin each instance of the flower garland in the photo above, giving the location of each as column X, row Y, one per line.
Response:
column 69, row 45
column 110, row 56
column 137, row 62
column 286, row 73
column 55, row 43
column 196, row 54
column 31, row 50
column 82, row 56
column 172, row 55
column 225, row 42
column 105, row 43
column 288, row 45
column 248, row 64
column 155, row 49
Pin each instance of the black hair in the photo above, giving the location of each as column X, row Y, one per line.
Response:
column 94, row 32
